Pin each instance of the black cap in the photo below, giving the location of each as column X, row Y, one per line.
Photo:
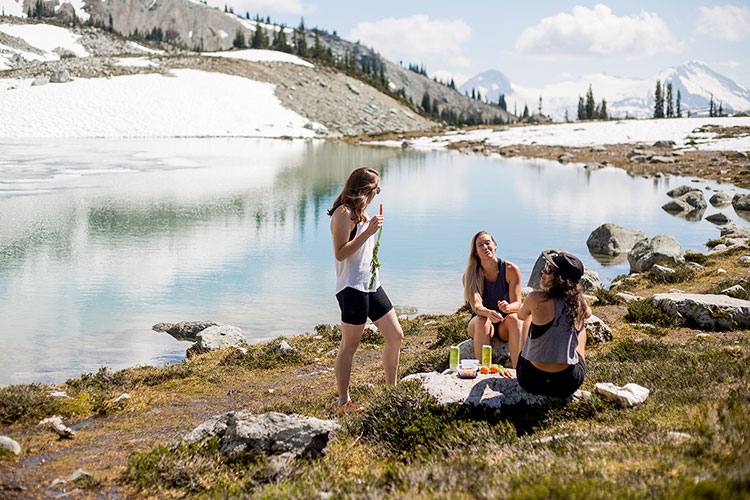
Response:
column 566, row 265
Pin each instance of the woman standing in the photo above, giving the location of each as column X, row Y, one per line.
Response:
column 353, row 244
column 551, row 359
column 492, row 287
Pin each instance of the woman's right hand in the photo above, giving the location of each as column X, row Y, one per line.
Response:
column 374, row 225
column 495, row 316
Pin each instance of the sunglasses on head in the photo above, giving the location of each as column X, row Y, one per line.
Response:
column 377, row 190
column 547, row 269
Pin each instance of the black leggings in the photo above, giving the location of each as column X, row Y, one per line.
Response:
column 558, row 384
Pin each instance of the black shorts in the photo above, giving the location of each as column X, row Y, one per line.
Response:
column 558, row 385
column 356, row 306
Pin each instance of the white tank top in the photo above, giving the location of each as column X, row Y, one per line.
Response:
column 354, row 271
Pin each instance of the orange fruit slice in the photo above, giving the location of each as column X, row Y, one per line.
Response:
column 494, row 369
column 484, row 369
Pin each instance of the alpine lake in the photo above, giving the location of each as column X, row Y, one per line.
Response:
column 102, row 238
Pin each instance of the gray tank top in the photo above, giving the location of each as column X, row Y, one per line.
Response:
column 556, row 345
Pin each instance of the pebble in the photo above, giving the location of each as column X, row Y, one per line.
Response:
column 744, row 260
column 721, row 271
column 702, row 336
column 78, row 475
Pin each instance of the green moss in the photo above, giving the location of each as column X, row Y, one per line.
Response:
column 451, row 333
column 606, row 297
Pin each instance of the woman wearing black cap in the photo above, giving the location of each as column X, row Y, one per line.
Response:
column 551, row 358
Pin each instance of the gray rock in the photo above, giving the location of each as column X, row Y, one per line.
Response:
column 61, row 76
column 79, row 475
column 734, row 291
column 597, row 331
column 744, row 260
column 694, row 266
column 486, row 391
column 267, row 434
column 39, row 81
column 526, row 290
column 681, row 190
column 661, row 270
column 66, row 11
column 405, row 310
column 638, row 159
column 628, row 298
column 597, row 149
column 741, row 202
column 678, row 436
column 662, row 159
column 285, row 348
column 720, row 199
column 593, row 165
column 650, row 251
column 640, row 152
column 499, row 350
column 590, row 299
column 56, row 424
column 719, row 219
column 735, row 231
column 611, row 239
column 185, row 330
column 664, row 144
column 565, row 158
column 10, row 445
column 590, row 281
column 695, row 199
column 217, row 337
column 707, row 312
column 676, row 207
column 628, row 395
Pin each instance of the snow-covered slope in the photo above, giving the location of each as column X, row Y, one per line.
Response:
column 41, row 40
column 491, row 83
column 626, row 97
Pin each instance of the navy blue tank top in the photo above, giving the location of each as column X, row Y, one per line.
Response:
column 496, row 291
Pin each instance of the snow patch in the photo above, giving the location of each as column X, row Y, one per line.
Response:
column 140, row 48
column 46, row 38
column 137, row 62
column 12, row 8
column 188, row 104
column 260, row 55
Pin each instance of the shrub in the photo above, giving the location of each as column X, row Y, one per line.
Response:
column 606, row 297
column 679, row 275
column 23, row 403
column 698, row 258
column 264, row 356
column 645, row 311
column 329, row 332
column 432, row 361
column 451, row 333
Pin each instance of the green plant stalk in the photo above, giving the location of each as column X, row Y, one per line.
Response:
column 375, row 265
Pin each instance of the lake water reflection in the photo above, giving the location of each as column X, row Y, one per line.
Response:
column 102, row 238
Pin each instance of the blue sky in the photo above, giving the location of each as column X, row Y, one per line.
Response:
column 538, row 42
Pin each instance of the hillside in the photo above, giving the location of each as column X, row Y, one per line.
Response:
column 195, row 26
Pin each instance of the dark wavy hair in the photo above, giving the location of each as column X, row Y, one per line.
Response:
column 571, row 295
column 356, row 192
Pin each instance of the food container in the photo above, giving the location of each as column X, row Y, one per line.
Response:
column 467, row 371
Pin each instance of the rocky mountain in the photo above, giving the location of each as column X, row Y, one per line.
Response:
column 626, row 97
column 196, row 26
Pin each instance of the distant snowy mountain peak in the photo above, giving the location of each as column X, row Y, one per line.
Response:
column 490, row 84
column 626, row 97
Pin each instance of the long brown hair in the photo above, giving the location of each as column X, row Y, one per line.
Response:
column 356, row 192
column 473, row 278
column 571, row 295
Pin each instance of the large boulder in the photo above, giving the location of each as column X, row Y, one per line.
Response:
column 589, row 281
column 611, row 239
column 692, row 204
column 488, row 391
column 718, row 219
column 597, row 331
column 243, row 432
column 217, row 337
column 679, row 191
column 185, row 330
column 720, row 199
column 707, row 312
column 650, row 251
column 10, row 445
column 741, row 202
column 735, row 231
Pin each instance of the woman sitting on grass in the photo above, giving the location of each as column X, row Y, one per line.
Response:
column 552, row 349
column 492, row 287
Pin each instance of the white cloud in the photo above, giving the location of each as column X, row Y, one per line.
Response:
column 445, row 76
column 597, row 33
column 727, row 22
column 280, row 6
column 416, row 37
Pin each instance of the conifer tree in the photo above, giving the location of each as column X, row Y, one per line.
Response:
column 473, row 93
column 658, row 101
column 525, row 111
column 426, row 103
column 670, row 106
column 711, row 107
column 259, row 39
column 581, row 109
column 300, row 43
column 678, row 109
column 501, row 102
column 567, row 120
column 590, row 105
column 603, row 110
column 721, row 109
column 540, row 105
column 239, row 39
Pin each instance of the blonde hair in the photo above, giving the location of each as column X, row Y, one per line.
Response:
column 473, row 278
column 356, row 192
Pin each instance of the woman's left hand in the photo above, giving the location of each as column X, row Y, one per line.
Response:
column 504, row 306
